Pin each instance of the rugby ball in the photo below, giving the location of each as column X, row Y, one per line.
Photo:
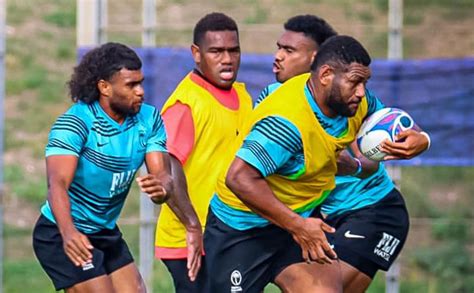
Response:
column 384, row 124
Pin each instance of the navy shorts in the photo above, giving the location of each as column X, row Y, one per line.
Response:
column 181, row 281
column 246, row 261
column 109, row 254
column 371, row 238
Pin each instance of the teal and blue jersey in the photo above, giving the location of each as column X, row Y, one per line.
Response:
column 267, row 91
column 109, row 154
column 274, row 146
column 352, row 193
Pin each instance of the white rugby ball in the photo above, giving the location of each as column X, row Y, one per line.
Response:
column 384, row 124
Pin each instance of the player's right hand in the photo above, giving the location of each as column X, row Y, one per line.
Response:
column 314, row 244
column 77, row 247
column 153, row 187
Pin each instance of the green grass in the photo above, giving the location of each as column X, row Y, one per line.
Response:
column 62, row 18
column 34, row 192
column 18, row 12
column 25, row 276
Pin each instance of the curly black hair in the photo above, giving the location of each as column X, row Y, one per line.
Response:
column 341, row 50
column 214, row 21
column 98, row 64
column 311, row 26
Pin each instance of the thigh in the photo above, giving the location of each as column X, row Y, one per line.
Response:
column 48, row 247
column 354, row 281
column 179, row 271
column 313, row 277
column 238, row 261
column 101, row 284
column 127, row 279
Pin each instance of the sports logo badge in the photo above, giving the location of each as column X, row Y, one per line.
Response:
column 235, row 280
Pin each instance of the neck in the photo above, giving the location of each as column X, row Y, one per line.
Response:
column 320, row 96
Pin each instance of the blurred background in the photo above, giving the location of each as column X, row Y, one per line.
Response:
column 41, row 51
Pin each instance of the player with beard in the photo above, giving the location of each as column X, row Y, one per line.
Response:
column 369, row 214
column 202, row 118
column 282, row 167
column 93, row 153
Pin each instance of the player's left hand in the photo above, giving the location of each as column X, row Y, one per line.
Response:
column 409, row 143
column 195, row 248
column 153, row 187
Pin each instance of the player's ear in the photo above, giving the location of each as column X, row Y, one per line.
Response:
column 313, row 55
column 105, row 88
column 196, row 53
column 326, row 74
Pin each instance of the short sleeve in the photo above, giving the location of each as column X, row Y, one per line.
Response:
column 157, row 139
column 179, row 126
column 272, row 142
column 67, row 136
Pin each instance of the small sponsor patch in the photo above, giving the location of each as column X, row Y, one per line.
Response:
column 87, row 266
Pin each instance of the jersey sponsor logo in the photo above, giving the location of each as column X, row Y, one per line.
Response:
column 121, row 181
column 386, row 246
column 141, row 140
column 235, row 280
column 87, row 266
column 348, row 234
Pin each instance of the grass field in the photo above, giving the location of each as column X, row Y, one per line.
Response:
column 40, row 55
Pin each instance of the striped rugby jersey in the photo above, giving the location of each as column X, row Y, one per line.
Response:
column 109, row 154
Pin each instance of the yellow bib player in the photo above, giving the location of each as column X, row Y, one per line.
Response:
column 202, row 118
column 258, row 228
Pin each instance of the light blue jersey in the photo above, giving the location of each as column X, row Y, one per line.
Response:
column 109, row 154
column 350, row 192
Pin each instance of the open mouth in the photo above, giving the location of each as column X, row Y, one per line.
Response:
column 276, row 67
column 226, row 74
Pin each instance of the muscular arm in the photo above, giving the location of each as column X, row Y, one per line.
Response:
column 170, row 172
column 60, row 173
column 250, row 187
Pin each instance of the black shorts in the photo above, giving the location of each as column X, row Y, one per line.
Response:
column 109, row 254
column 371, row 238
column 246, row 261
column 181, row 281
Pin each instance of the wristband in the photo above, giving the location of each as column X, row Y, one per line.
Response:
column 428, row 138
column 359, row 167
